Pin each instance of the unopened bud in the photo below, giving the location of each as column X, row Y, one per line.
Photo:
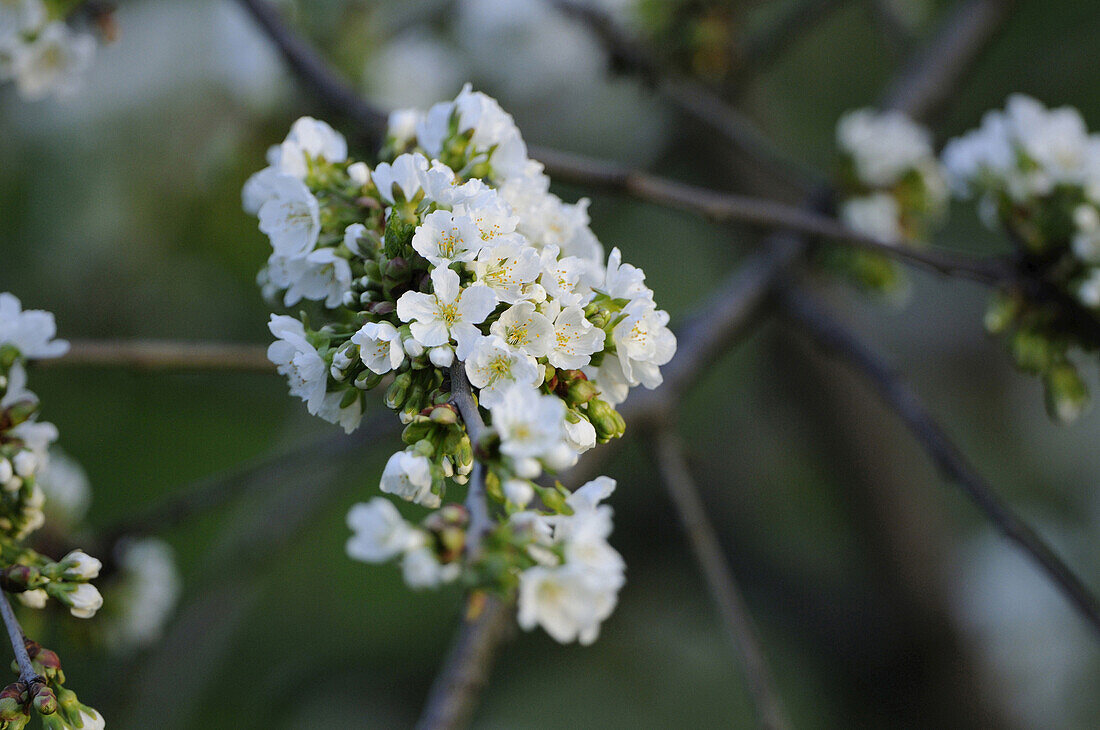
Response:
column 581, row 391
column 398, row 391
column 605, row 420
column 78, row 565
column 444, row 415
column 1067, row 396
column 45, row 701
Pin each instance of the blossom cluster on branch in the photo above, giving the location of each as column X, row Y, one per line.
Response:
column 892, row 187
column 38, row 49
column 35, row 579
column 1036, row 175
column 448, row 265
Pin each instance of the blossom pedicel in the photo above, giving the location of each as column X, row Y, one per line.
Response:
column 451, row 258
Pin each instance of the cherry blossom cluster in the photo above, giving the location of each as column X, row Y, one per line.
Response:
column 38, row 49
column 24, row 458
column 451, row 265
column 892, row 188
column 1036, row 175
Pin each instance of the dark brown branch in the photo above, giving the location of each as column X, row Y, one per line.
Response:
column 720, row 580
column 334, row 92
column 163, row 355
column 690, row 97
column 932, row 77
column 18, row 643
column 811, row 315
column 465, row 672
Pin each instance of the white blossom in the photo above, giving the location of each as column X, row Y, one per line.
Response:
column 409, row 476
column 78, row 565
column 529, row 424
column 53, row 62
column 405, row 176
column 449, row 313
column 523, row 328
column 495, row 368
column 36, row 598
column 30, row 331
column 876, row 215
column 290, row 215
column 575, row 339
column 151, row 587
column 421, row 569
column 84, row 600
column 507, row 269
column 308, row 140
column 381, row 533
column 580, row 435
column 884, row 146
column 298, row 361
column 643, row 343
column 444, row 238
column 567, row 601
column 321, row 275
column 380, row 347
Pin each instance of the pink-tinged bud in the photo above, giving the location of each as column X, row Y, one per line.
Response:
column 45, row 701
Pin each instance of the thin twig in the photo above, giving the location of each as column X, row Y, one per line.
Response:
column 331, row 90
column 931, row 79
column 18, row 645
column 476, row 505
column 691, row 97
column 567, row 167
column 465, row 672
column 721, row 582
column 811, row 315
column 163, row 355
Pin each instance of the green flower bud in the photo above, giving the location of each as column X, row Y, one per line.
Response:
column 1066, row 394
column 45, row 702
column 605, row 420
column 1033, row 351
column 372, row 271
column 553, row 499
column 418, row 429
column 444, row 415
column 581, row 391
column 398, row 391
column 367, row 380
column 1002, row 312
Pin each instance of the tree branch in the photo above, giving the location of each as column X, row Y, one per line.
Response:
column 476, row 506
column 18, row 645
column 811, row 316
column 720, row 580
column 465, row 672
column 691, row 97
column 715, row 206
column 308, row 65
column 163, row 355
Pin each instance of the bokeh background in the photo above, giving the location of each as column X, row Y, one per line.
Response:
column 882, row 598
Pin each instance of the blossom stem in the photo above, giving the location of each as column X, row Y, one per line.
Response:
column 476, row 505
column 720, row 580
column 810, row 315
column 18, row 645
column 164, row 355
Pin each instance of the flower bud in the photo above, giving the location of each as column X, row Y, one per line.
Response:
column 45, row 702
column 83, row 599
column 382, row 308
column 444, row 415
column 78, row 565
column 6, row 470
column 1067, row 396
column 35, row 598
column 442, row 357
column 398, row 391
column 519, row 492
column 581, row 391
column 419, row 428
column 19, row 578
column 367, row 380
column 604, row 419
